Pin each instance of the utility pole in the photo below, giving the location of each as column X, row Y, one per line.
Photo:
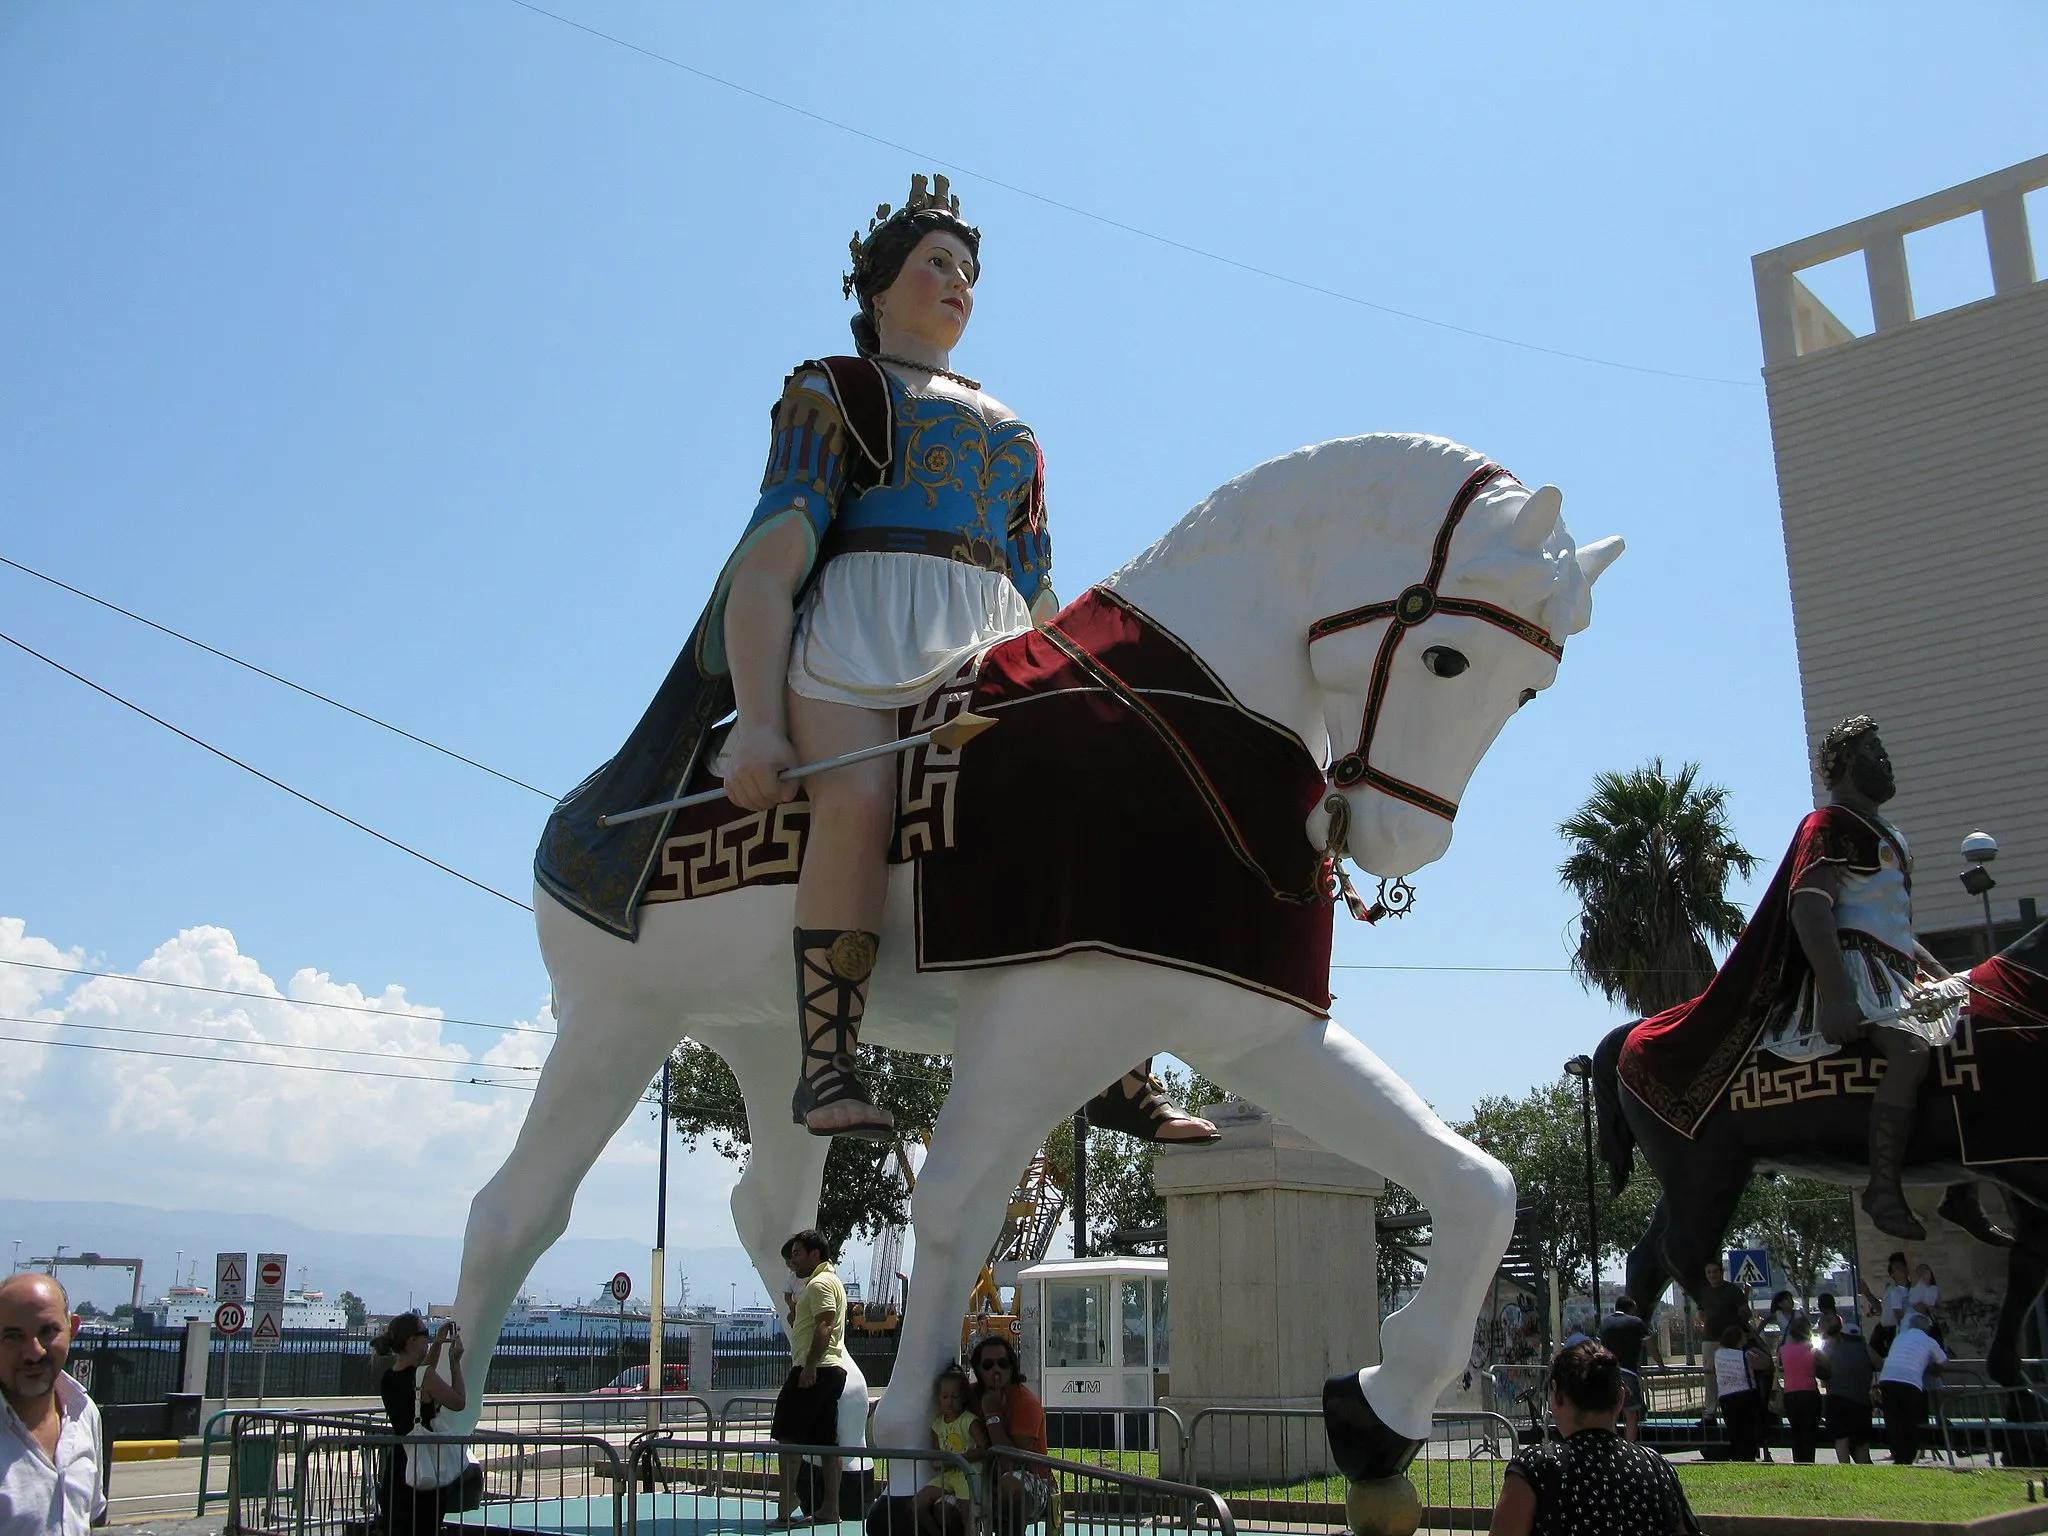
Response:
column 1081, row 1183
column 657, row 1313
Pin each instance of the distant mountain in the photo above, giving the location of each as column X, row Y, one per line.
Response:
column 388, row 1271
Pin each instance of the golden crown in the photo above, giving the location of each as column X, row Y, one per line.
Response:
column 934, row 192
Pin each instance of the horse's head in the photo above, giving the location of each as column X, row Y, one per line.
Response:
column 1432, row 636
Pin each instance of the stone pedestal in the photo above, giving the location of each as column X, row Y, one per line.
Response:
column 1271, row 1269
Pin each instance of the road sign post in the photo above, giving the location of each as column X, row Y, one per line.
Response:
column 1748, row 1267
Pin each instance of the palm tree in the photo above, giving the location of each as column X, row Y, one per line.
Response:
column 1651, row 855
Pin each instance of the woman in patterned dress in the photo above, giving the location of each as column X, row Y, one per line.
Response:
column 1593, row 1483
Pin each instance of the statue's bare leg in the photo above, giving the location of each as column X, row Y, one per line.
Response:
column 839, row 901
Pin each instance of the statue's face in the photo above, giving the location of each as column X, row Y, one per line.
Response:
column 933, row 296
column 1870, row 769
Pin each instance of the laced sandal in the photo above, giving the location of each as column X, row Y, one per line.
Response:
column 1136, row 1104
column 832, row 970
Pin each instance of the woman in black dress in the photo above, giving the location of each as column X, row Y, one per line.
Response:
column 414, row 1392
column 1594, row 1483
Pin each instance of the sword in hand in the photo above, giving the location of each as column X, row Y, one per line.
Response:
column 954, row 734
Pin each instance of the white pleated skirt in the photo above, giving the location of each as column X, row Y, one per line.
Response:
column 879, row 631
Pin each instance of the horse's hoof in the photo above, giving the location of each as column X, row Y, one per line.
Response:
column 1386, row 1506
column 1365, row 1449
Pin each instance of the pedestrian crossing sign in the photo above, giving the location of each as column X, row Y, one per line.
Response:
column 1749, row 1267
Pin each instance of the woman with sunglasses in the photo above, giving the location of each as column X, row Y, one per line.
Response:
column 1009, row 1417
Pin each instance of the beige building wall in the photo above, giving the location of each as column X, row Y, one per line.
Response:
column 1913, row 481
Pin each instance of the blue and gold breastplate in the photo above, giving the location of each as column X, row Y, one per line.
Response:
column 958, row 487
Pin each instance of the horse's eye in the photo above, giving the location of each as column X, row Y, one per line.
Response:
column 1528, row 696
column 1444, row 661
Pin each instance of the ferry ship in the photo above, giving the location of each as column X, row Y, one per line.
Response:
column 303, row 1308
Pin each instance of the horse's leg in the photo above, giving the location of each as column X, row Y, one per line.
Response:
column 1346, row 1099
column 778, row 1194
column 1031, row 1048
column 2026, row 1269
column 605, row 1053
column 1647, row 1276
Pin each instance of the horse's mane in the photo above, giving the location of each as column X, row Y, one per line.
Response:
column 1393, row 489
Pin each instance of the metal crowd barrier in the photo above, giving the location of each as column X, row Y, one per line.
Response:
column 1148, row 1441
column 714, row 1480
column 261, row 1447
column 342, row 1485
column 624, row 1414
column 1274, row 1466
column 1109, row 1501
column 1990, row 1426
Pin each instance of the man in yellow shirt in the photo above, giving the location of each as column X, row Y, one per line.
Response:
column 807, row 1407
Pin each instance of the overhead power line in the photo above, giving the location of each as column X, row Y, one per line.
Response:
column 262, row 997
column 277, row 1045
column 282, row 1066
column 266, row 778
column 251, row 666
column 1130, row 229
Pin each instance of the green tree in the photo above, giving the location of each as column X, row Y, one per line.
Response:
column 357, row 1310
column 1541, row 1138
column 1397, row 1269
column 862, row 1192
column 1650, row 861
column 1806, row 1226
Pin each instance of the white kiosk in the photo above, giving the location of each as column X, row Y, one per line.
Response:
column 1095, row 1338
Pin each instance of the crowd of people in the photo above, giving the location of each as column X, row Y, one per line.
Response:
column 1819, row 1374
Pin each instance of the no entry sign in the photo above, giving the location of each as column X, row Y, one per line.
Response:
column 228, row 1318
column 270, row 1279
column 621, row 1286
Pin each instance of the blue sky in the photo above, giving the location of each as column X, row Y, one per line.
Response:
column 423, row 355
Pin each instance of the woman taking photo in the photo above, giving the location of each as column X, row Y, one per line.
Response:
column 1593, row 1483
column 414, row 1393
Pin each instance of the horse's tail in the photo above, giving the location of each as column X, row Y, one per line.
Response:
column 1617, row 1141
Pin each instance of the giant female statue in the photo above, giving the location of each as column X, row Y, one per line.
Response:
column 901, row 529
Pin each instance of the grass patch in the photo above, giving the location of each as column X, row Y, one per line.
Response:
column 1880, row 1492
column 1719, row 1488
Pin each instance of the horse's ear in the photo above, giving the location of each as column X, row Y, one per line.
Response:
column 1600, row 554
column 1537, row 519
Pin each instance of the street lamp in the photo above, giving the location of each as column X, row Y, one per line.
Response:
column 1979, row 849
column 1581, row 1067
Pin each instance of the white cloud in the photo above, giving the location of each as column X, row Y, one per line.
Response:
column 232, row 1130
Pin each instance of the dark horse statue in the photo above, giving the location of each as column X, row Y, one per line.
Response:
column 1980, row 1118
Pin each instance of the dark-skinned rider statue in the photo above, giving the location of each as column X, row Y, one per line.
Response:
column 1828, row 959
column 1852, row 913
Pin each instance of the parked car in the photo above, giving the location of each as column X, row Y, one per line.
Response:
column 674, row 1378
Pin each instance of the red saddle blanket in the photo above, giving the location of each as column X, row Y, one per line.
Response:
column 1126, row 803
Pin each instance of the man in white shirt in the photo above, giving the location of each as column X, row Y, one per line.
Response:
column 49, row 1428
column 1912, row 1358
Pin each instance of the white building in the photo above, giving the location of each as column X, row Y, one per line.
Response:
column 1913, row 481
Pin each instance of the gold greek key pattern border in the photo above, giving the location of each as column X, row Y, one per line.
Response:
column 743, row 851
column 1758, row 1086
column 929, row 780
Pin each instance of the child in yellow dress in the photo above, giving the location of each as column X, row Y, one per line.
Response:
column 945, row 1505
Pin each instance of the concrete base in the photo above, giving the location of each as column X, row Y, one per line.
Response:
column 1272, row 1277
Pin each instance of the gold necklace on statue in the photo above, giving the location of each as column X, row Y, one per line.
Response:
column 945, row 373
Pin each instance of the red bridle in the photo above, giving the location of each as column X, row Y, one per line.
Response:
column 1416, row 606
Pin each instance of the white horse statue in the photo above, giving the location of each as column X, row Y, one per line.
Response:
column 1391, row 600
